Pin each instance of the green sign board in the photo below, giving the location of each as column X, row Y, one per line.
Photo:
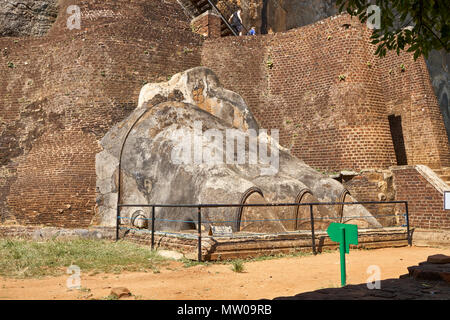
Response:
column 345, row 234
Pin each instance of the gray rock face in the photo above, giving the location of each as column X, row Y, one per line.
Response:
column 281, row 15
column 27, row 17
column 175, row 152
column 438, row 64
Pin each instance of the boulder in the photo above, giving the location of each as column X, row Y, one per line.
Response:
column 27, row 17
column 120, row 292
column 179, row 147
column 439, row 259
column 170, row 254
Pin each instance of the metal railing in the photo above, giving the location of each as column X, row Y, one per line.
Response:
column 229, row 13
column 199, row 221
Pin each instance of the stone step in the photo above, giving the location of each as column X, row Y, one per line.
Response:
column 437, row 267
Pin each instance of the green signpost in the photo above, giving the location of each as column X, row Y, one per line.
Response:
column 345, row 234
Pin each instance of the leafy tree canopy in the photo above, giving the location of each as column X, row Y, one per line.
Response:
column 418, row 25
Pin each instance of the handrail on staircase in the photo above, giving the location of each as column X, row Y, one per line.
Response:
column 224, row 19
column 229, row 9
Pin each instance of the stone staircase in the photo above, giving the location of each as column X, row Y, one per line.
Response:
column 444, row 174
column 194, row 8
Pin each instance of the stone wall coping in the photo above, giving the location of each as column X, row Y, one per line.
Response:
column 428, row 175
column 206, row 13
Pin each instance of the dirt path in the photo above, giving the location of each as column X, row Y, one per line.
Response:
column 261, row 279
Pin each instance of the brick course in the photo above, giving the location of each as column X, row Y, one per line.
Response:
column 292, row 81
column 425, row 202
column 59, row 94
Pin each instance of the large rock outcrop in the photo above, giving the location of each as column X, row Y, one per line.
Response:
column 27, row 17
column 173, row 150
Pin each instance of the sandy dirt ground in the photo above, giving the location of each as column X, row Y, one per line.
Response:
column 264, row 279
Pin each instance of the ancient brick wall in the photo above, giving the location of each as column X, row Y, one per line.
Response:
column 425, row 202
column 326, row 92
column 408, row 94
column 208, row 24
column 60, row 93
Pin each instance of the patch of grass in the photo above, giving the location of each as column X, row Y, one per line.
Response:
column 192, row 263
column 269, row 62
column 187, row 50
column 237, row 266
column 30, row 259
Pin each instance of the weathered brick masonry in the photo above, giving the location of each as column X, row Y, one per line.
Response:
column 60, row 93
column 320, row 85
column 425, row 201
column 330, row 97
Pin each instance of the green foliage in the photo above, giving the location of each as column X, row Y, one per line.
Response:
column 25, row 259
column 342, row 77
column 238, row 266
column 418, row 25
column 11, row 65
column 269, row 62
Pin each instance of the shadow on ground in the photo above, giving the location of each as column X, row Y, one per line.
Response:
column 390, row 289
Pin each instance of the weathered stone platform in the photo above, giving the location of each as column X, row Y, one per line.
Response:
column 246, row 245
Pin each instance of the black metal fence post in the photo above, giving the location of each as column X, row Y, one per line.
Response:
column 199, row 234
column 407, row 224
column 153, row 227
column 313, row 236
column 117, row 222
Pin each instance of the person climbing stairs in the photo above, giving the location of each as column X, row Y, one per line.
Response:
column 195, row 8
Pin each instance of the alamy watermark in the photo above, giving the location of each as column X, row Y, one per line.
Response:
column 207, row 147
column 75, row 16
column 74, row 20
column 374, row 17
column 74, row 281
column 374, row 280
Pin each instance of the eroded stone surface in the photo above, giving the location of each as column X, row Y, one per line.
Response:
column 201, row 87
column 439, row 259
column 157, row 169
column 27, row 17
